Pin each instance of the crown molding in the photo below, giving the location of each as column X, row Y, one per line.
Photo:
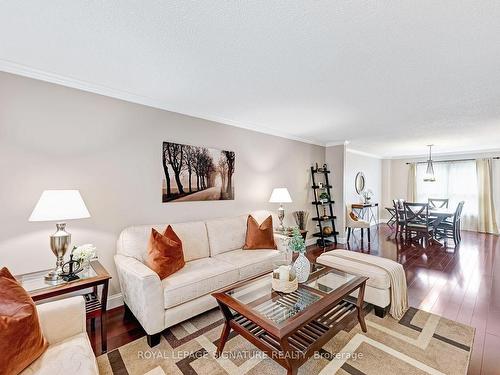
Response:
column 336, row 143
column 362, row 153
column 26, row 71
column 446, row 154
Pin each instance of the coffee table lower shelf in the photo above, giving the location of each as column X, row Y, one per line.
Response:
column 302, row 343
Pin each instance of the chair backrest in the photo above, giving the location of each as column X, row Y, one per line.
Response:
column 438, row 202
column 416, row 213
column 458, row 211
column 399, row 208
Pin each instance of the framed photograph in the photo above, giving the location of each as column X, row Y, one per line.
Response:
column 192, row 173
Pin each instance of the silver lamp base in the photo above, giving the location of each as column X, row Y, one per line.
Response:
column 281, row 216
column 59, row 243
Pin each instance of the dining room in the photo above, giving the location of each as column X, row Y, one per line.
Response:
column 436, row 198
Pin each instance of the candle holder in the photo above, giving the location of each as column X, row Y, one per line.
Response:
column 284, row 278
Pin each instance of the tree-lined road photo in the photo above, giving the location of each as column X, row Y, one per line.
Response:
column 194, row 173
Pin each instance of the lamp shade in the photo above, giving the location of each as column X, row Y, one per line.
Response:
column 280, row 195
column 59, row 205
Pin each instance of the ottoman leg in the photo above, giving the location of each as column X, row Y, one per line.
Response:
column 380, row 311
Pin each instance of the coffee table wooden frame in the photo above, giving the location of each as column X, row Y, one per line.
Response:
column 304, row 333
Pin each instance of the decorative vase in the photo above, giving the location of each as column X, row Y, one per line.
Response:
column 302, row 268
column 85, row 263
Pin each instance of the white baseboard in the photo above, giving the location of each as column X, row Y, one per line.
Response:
column 115, row 300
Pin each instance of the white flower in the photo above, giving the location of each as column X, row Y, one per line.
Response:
column 84, row 252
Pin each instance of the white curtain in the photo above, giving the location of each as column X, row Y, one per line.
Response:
column 496, row 187
column 487, row 221
column 411, row 194
column 456, row 181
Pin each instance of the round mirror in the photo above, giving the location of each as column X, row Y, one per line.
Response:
column 360, row 182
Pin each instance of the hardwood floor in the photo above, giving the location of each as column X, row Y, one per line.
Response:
column 461, row 284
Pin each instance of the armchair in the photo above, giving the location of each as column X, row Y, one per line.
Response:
column 64, row 326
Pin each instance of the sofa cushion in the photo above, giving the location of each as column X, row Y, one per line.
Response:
column 21, row 336
column 165, row 255
column 377, row 277
column 133, row 241
column 259, row 236
column 71, row 356
column 251, row 263
column 226, row 234
column 197, row 278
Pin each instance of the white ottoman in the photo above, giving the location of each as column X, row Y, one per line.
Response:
column 378, row 286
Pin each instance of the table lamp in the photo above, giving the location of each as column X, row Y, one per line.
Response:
column 59, row 206
column 280, row 195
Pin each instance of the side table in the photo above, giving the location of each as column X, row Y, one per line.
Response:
column 94, row 277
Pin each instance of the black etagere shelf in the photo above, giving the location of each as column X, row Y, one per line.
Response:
column 323, row 219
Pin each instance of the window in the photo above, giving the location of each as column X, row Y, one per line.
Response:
column 456, row 181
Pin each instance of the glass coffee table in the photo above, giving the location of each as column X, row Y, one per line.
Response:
column 290, row 327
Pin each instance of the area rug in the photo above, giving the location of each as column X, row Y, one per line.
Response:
column 419, row 343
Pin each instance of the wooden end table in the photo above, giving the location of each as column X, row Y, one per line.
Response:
column 290, row 327
column 38, row 289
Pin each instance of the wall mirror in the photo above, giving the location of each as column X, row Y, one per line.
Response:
column 360, row 182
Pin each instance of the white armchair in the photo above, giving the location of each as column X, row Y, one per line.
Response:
column 64, row 326
column 352, row 224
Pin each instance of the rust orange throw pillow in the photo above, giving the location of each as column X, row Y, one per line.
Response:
column 165, row 255
column 353, row 216
column 259, row 236
column 21, row 337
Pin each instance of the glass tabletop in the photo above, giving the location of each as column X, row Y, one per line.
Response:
column 259, row 296
column 36, row 280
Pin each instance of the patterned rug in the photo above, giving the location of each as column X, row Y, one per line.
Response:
column 419, row 343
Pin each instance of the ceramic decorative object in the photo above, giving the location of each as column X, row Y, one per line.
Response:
column 302, row 268
column 327, row 231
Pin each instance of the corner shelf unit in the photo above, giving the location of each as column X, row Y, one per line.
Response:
column 321, row 219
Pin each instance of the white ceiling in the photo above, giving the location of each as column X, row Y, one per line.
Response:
column 389, row 76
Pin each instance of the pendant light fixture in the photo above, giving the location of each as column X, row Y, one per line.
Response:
column 429, row 173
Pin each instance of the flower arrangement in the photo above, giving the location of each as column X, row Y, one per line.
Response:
column 84, row 253
column 367, row 195
column 296, row 242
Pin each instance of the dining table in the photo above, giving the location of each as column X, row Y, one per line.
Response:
column 437, row 215
column 440, row 214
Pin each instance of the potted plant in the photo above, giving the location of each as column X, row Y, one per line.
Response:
column 324, row 197
column 302, row 266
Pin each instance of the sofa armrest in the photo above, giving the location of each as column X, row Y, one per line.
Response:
column 62, row 319
column 142, row 292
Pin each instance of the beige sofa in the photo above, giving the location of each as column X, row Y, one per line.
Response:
column 69, row 352
column 214, row 259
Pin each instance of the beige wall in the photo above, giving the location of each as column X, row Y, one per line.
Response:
column 335, row 157
column 53, row 137
column 372, row 169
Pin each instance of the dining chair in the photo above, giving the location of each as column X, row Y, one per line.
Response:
column 438, row 202
column 399, row 216
column 392, row 220
column 417, row 220
column 447, row 229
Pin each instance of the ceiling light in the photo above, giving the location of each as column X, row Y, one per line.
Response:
column 429, row 173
